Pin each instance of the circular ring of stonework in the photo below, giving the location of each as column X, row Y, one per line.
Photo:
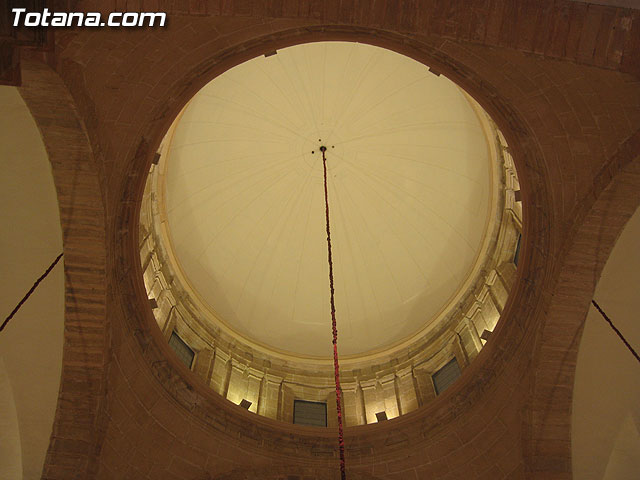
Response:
column 518, row 316
column 452, row 336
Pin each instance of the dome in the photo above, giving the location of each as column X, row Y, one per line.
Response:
column 409, row 186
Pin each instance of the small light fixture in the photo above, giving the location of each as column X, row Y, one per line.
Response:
column 154, row 303
column 380, row 416
column 485, row 335
column 245, row 404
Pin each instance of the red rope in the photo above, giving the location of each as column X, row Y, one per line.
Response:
column 336, row 365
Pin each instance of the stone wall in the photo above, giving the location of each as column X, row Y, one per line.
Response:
column 561, row 81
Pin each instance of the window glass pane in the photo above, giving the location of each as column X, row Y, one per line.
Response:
column 516, row 256
column 444, row 377
column 183, row 350
column 310, row 413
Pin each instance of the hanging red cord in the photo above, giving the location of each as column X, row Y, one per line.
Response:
column 336, row 365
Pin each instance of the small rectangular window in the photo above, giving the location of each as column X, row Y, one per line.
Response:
column 184, row 352
column 516, row 256
column 444, row 377
column 310, row 413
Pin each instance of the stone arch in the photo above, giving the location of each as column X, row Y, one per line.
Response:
column 79, row 419
column 614, row 198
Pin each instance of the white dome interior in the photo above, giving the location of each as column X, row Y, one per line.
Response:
column 409, row 191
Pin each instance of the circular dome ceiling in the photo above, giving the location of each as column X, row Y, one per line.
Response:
column 409, row 180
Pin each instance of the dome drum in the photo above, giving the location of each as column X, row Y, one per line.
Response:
column 394, row 378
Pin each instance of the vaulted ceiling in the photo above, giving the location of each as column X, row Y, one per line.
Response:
column 31, row 343
column 561, row 79
column 410, row 187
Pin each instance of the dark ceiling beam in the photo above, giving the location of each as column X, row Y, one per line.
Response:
column 13, row 39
